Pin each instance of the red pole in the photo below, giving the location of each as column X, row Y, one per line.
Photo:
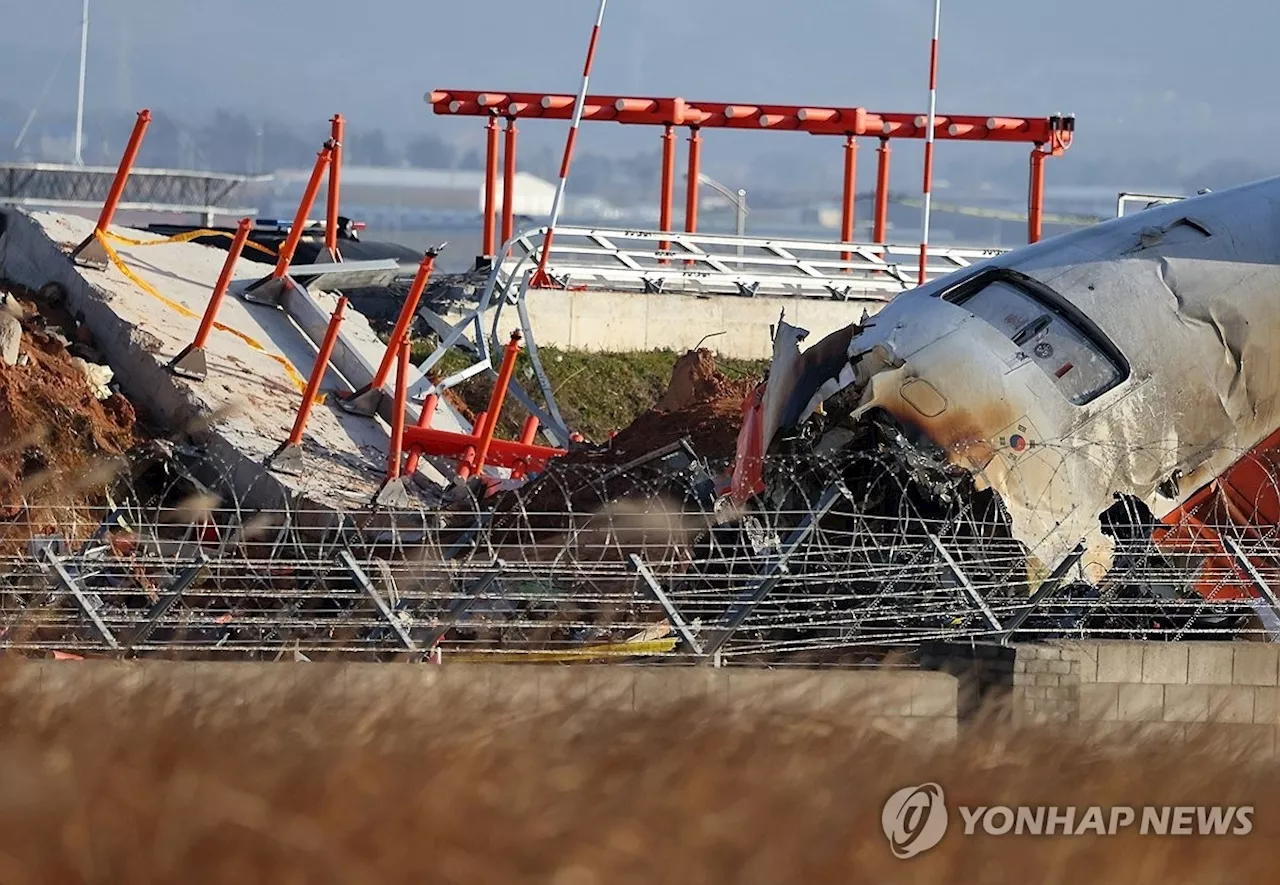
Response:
column 224, row 281
column 529, row 431
column 397, row 418
column 527, row 435
column 668, row 183
column 490, row 184
column 882, row 190
column 850, row 192
column 695, row 169
column 469, row 453
column 317, row 373
column 337, row 133
column 499, row 394
column 323, row 158
column 407, row 311
column 424, row 420
column 691, row 189
column 509, row 181
column 1035, row 195
column 122, row 172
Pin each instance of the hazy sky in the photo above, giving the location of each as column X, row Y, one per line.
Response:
column 1140, row 74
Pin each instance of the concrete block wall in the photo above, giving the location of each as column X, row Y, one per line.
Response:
column 1215, row 691
column 1226, row 694
column 1045, row 685
column 1019, row 685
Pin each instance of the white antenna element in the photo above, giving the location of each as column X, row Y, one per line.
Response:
column 540, row 275
column 928, row 140
column 84, row 55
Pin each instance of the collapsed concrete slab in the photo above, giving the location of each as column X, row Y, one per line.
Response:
column 243, row 411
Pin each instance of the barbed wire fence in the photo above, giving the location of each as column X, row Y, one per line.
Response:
column 843, row 555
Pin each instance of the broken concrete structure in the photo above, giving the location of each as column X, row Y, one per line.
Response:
column 243, row 411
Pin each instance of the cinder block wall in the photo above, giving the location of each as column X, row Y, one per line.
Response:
column 1217, row 690
column 1045, row 687
column 1226, row 693
column 1021, row 684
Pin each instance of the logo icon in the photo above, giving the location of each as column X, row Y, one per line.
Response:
column 914, row 819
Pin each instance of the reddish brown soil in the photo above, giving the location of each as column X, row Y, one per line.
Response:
column 701, row 403
column 53, row 430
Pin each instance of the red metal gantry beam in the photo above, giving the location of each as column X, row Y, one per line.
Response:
column 1049, row 136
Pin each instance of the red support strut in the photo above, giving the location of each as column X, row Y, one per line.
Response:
column 472, row 451
column 290, row 245
column 527, row 435
column 695, row 170
column 691, row 190
column 398, row 416
column 496, row 399
column 1035, row 195
column 337, row 133
column 191, row 363
column 122, row 172
column 490, row 185
column 424, row 420
column 270, row 289
column 668, row 183
column 850, row 194
column 368, row 399
column 407, row 311
column 288, row 458
column 509, row 181
column 885, row 153
column 90, row 252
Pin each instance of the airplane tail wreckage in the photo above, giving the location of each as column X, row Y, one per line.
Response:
column 1053, row 417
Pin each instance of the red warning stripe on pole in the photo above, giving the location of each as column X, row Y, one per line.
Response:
column 929, row 135
column 540, row 278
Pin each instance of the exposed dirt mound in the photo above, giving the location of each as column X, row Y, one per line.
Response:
column 54, row 431
column 694, row 379
column 701, row 402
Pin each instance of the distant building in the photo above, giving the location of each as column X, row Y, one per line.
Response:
column 406, row 198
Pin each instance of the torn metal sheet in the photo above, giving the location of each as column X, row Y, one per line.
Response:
column 1133, row 360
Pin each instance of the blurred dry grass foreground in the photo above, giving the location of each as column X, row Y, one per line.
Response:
column 152, row 780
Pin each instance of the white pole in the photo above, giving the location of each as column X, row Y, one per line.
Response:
column 84, row 55
column 742, row 221
column 540, row 277
column 928, row 140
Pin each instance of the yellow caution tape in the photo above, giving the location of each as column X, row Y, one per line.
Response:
column 612, row 650
column 142, row 284
column 188, row 237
